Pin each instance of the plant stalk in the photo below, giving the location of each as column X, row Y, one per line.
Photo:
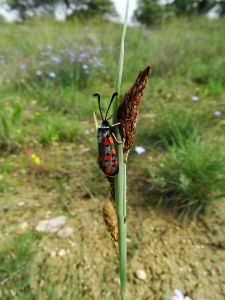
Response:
column 120, row 179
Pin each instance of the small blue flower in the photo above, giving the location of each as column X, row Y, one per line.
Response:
column 139, row 149
column 38, row 72
column 85, row 66
column 178, row 295
column 56, row 59
column 217, row 113
column 52, row 74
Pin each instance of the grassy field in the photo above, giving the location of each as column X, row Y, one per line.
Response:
column 48, row 73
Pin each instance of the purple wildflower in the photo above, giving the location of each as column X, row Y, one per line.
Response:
column 82, row 56
column 56, row 59
column 217, row 113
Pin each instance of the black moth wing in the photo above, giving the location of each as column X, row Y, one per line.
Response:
column 107, row 158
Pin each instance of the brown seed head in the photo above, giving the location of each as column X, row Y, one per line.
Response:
column 109, row 216
column 128, row 110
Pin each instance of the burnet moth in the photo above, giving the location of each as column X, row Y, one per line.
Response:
column 107, row 155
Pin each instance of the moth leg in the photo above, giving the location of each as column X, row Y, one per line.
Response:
column 118, row 142
column 116, row 124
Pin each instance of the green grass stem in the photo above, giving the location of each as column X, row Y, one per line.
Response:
column 120, row 180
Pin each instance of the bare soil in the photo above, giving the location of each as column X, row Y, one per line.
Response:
column 174, row 253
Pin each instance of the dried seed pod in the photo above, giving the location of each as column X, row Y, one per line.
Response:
column 128, row 110
column 109, row 216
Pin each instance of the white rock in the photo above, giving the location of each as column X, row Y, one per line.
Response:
column 23, row 225
column 65, row 232
column 140, row 274
column 52, row 225
column 21, row 203
column 53, row 254
column 62, row 252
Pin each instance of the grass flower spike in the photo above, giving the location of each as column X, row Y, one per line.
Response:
column 125, row 116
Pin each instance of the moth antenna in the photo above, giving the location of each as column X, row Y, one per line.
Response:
column 111, row 101
column 109, row 118
column 99, row 105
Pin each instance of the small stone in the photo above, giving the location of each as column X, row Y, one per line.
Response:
column 62, row 252
column 52, row 225
column 65, row 232
column 21, row 203
column 53, row 254
column 23, row 225
column 140, row 274
column 195, row 98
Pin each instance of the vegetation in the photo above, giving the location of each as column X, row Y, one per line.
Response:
column 48, row 143
column 45, row 95
column 72, row 7
column 150, row 12
column 21, row 266
column 190, row 176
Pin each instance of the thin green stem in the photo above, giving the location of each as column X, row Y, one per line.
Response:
column 120, row 64
column 120, row 180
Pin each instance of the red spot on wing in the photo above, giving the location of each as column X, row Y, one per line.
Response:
column 113, row 151
column 106, row 157
column 111, row 140
column 106, row 142
column 108, row 170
